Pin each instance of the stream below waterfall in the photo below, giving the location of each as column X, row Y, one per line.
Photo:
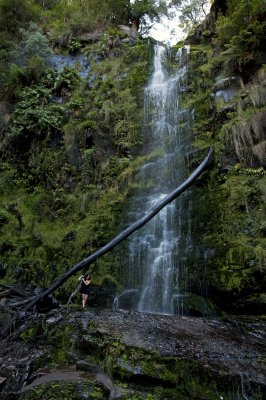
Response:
column 157, row 253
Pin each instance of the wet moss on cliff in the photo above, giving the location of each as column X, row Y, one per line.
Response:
column 229, row 111
column 64, row 149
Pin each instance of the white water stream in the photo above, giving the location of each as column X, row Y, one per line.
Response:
column 156, row 254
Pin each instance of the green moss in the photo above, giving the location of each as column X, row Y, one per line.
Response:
column 234, row 236
column 59, row 337
column 32, row 333
column 65, row 391
column 69, row 186
column 235, row 233
column 180, row 376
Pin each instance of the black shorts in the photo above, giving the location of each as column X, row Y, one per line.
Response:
column 85, row 290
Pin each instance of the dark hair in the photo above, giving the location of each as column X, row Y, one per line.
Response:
column 86, row 276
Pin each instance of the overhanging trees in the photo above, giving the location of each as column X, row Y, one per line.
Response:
column 191, row 11
column 140, row 9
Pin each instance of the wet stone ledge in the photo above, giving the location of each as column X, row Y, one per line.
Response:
column 131, row 355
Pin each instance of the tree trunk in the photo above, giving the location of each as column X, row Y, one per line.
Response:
column 135, row 25
column 128, row 231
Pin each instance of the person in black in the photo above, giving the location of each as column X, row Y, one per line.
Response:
column 85, row 288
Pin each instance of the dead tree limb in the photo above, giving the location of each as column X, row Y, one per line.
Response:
column 125, row 233
column 5, row 293
column 21, row 302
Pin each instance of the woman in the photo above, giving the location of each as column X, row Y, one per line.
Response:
column 85, row 288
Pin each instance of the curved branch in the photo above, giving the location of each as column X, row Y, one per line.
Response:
column 125, row 233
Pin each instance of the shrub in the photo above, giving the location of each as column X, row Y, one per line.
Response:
column 34, row 115
column 242, row 32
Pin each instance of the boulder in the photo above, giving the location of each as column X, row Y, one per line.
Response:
column 128, row 31
column 90, row 37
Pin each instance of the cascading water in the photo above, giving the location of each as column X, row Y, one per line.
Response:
column 157, row 252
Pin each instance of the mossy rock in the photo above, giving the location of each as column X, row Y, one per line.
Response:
column 182, row 376
column 66, row 391
column 198, row 306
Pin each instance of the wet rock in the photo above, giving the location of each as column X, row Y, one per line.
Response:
column 128, row 41
column 2, row 381
column 128, row 31
column 18, row 362
column 226, row 83
column 90, row 37
column 88, row 344
column 219, row 346
column 107, row 383
column 7, row 370
column 228, row 160
column 2, row 270
column 226, row 109
column 72, row 357
column 84, row 365
column 54, row 318
column 205, row 358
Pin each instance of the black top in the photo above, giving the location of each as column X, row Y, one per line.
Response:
column 85, row 289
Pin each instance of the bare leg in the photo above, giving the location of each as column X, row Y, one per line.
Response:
column 84, row 299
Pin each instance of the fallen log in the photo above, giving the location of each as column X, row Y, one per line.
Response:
column 16, row 290
column 125, row 233
column 17, row 303
column 5, row 293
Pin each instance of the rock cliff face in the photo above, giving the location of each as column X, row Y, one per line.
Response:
column 228, row 96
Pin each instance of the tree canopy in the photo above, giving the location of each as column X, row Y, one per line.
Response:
column 191, row 12
column 140, row 9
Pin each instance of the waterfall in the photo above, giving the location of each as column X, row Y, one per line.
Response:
column 156, row 254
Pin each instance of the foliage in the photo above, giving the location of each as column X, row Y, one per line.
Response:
column 113, row 97
column 245, row 134
column 46, row 4
column 61, row 197
column 145, row 12
column 35, row 115
column 233, row 239
column 239, row 15
column 242, row 32
column 84, row 16
column 80, row 16
column 67, row 78
column 27, row 61
column 14, row 15
column 191, row 12
column 7, row 178
column 33, row 44
column 16, row 78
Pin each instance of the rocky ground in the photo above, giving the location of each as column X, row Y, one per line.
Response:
column 131, row 355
